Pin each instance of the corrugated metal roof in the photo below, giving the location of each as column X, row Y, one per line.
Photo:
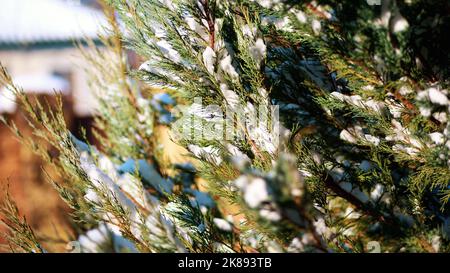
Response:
column 46, row 21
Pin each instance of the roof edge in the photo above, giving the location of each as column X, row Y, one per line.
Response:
column 43, row 45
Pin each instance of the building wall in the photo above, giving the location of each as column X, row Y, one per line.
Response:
column 21, row 172
column 19, row 167
column 66, row 61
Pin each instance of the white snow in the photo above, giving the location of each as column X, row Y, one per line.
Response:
column 345, row 135
column 256, row 193
column 301, row 16
column 230, row 96
column 437, row 138
column 405, row 90
column 273, row 247
column 399, row 23
column 320, row 226
column 441, row 117
column 242, row 182
column 279, row 23
column 267, row 3
column 237, row 154
column 377, row 192
column 258, row 50
column 158, row 226
column 7, row 101
column 42, row 84
column 248, row 31
column 425, row 111
column 316, row 26
column 103, row 182
column 28, row 21
column 36, row 84
column 269, row 214
column 227, row 66
column 168, row 51
column 372, row 139
column 94, row 239
column 209, row 59
column 296, row 246
column 133, row 186
column 436, row 243
column 152, row 67
column 198, row 28
column 351, row 213
column 338, row 96
column 376, row 106
column 169, row 4
column 437, row 96
column 264, row 139
column 267, row 139
column 209, row 153
column 223, row 224
column 368, row 88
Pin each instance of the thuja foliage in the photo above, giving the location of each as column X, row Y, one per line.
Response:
column 354, row 159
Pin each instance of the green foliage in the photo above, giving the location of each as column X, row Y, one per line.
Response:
column 361, row 153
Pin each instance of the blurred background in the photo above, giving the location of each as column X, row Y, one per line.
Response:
column 37, row 48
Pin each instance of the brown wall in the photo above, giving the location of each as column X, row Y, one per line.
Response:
column 35, row 197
